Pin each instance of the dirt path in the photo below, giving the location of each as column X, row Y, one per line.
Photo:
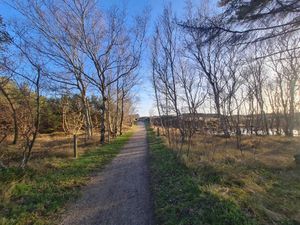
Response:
column 119, row 195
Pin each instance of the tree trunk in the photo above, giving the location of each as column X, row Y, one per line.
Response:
column 292, row 108
column 221, row 117
column 122, row 113
column 86, row 110
column 102, row 119
column 16, row 129
column 117, row 112
column 108, row 119
column 87, row 118
column 30, row 143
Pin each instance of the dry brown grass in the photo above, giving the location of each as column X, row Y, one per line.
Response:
column 37, row 194
column 263, row 179
column 57, row 145
column 271, row 151
column 48, row 145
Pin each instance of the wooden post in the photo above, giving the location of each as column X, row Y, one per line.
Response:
column 297, row 160
column 75, row 146
column 158, row 131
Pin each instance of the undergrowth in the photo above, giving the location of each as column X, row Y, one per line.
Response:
column 180, row 200
column 37, row 195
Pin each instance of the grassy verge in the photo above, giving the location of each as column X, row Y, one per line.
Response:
column 179, row 198
column 36, row 195
column 270, row 195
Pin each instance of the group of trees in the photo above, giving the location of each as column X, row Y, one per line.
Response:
column 70, row 61
column 74, row 62
column 240, row 65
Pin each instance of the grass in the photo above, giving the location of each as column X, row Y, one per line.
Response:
column 236, row 189
column 178, row 197
column 38, row 194
column 56, row 144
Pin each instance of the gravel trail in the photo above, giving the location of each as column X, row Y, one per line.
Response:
column 120, row 194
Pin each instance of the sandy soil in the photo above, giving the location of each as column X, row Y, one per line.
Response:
column 120, row 194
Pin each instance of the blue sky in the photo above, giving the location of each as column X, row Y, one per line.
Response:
column 144, row 90
column 134, row 7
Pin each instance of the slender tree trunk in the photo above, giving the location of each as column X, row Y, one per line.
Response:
column 157, row 101
column 292, row 108
column 108, row 125
column 16, row 129
column 262, row 111
column 30, row 143
column 220, row 115
column 122, row 113
column 87, row 121
column 86, row 110
column 90, row 119
column 117, row 111
column 108, row 119
column 266, row 123
column 102, row 118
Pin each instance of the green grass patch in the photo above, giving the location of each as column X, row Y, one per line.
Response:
column 37, row 195
column 180, row 198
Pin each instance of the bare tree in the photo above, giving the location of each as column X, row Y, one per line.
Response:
column 73, row 119
column 286, row 68
column 127, row 84
column 29, row 82
column 165, row 58
column 256, row 79
column 102, row 44
column 209, row 57
column 75, row 34
column 53, row 29
column 192, row 82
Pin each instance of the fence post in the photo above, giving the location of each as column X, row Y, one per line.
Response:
column 158, row 131
column 75, row 145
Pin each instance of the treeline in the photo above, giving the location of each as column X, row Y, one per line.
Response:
column 67, row 65
column 57, row 114
column 240, row 63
